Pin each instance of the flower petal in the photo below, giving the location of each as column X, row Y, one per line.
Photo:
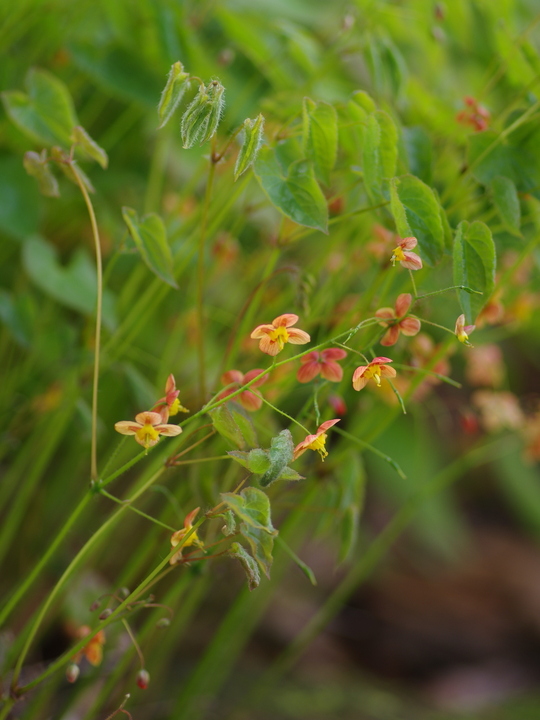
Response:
column 412, row 261
column 386, row 314
column 359, row 372
column 169, row 430
column 261, row 330
column 310, row 357
column 270, row 347
column 126, row 427
column 410, row 326
column 403, row 303
column 326, row 425
column 333, row 354
column 330, row 370
column 391, row 336
column 170, row 385
column 250, row 401
column 232, row 376
column 408, row 243
column 248, row 377
column 298, row 337
column 387, row 371
column 148, row 418
column 359, row 383
column 286, row 320
column 308, row 371
column 380, row 361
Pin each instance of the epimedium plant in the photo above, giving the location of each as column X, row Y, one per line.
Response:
column 298, row 162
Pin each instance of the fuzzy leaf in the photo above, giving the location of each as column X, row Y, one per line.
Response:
column 261, row 544
column 320, row 137
column 256, row 460
column 226, row 426
column 417, row 213
column 474, row 266
column 89, row 146
column 173, row 92
column 248, row 563
column 251, row 144
column 295, row 193
column 281, row 453
column 150, row 237
column 252, row 507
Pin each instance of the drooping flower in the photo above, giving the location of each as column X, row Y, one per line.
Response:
column 315, row 442
column 93, row 650
column 402, row 254
column 248, row 399
column 273, row 337
column 179, row 535
column 396, row 321
column 463, row 331
column 376, row 370
column 477, row 116
column 169, row 404
column 147, row 427
column 321, row 363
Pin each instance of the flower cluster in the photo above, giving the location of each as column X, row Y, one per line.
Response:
column 476, row 115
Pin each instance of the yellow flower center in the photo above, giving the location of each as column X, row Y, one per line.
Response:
column 374, row 372
column 280, row 336
column 398, row 254
column 319, row 444
column 193, row 539
column 146, row 434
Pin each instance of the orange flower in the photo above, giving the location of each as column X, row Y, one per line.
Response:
column 93, row 651
column 323, row 363
column 248, row 399
column 273, row 337
column 376, row 370
column 402, row 254
column 315, row 442
column 170, row 404
column 179, row 535
column 463, row 331
column 147, row 427
column 396, row 321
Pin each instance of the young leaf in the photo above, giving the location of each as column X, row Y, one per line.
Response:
column 89, row 146
column 226, row 426
column 507, row 202
column 36, row 165
column 248, row 563
column 251, row 143
column 474, row 266
column 252, row 507
column 320, row 137
column 150, row 237
column 261, row 544
column 289, row 474
column 256, row 460
column 200, row 121
column 296, row 194
column 46, row 114
column 280, row 454
column 230, row 523
column 173, row 92
column 417, row 213
column 243, row 421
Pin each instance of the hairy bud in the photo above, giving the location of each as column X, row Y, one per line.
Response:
column 173, row 92
column 253, row 134
column 202, row 117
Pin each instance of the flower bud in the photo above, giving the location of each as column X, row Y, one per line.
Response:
column 177, row 83
column 72, row 672
column 163, row 623
column 201, row 119
column 124, row 592
column 95, row 605
column 105, row 614
column 253, row 135
column 143, row 679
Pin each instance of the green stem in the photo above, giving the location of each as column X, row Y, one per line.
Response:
column 289, row 417
column 136, row 510
column 99, row 272
column 366, row 446
column 453, row 287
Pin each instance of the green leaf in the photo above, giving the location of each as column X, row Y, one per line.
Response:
column 89, row 146
column 256, row 461
column 289, row 474
column 200, row 120
column 417, row 213
column 230, row 523
column 46, row 114
column 251, row 144
column 281, row 453
column 363, row 100
column 379, row 153
column 262, row 545
column 320, row 137
column 419, row 151
column 173, row 92
column 296, row 194
column 252, row 507
column 507, row 202
column 73, row 286
column 248, row 563
column 150, row 237
column 243, row 420
column 474, row 266
column 226, row 426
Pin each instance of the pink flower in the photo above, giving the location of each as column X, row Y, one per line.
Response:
column 321, row 363
column 179, row 535
column 376, row 370
column 478, row 116
column 396, row 321
column 463, row 331
column 337, row 403
column 147, row 427
column 315, row 442
column 402, row 254
column 248, row 399
column 273, row 337
column 170, row 404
